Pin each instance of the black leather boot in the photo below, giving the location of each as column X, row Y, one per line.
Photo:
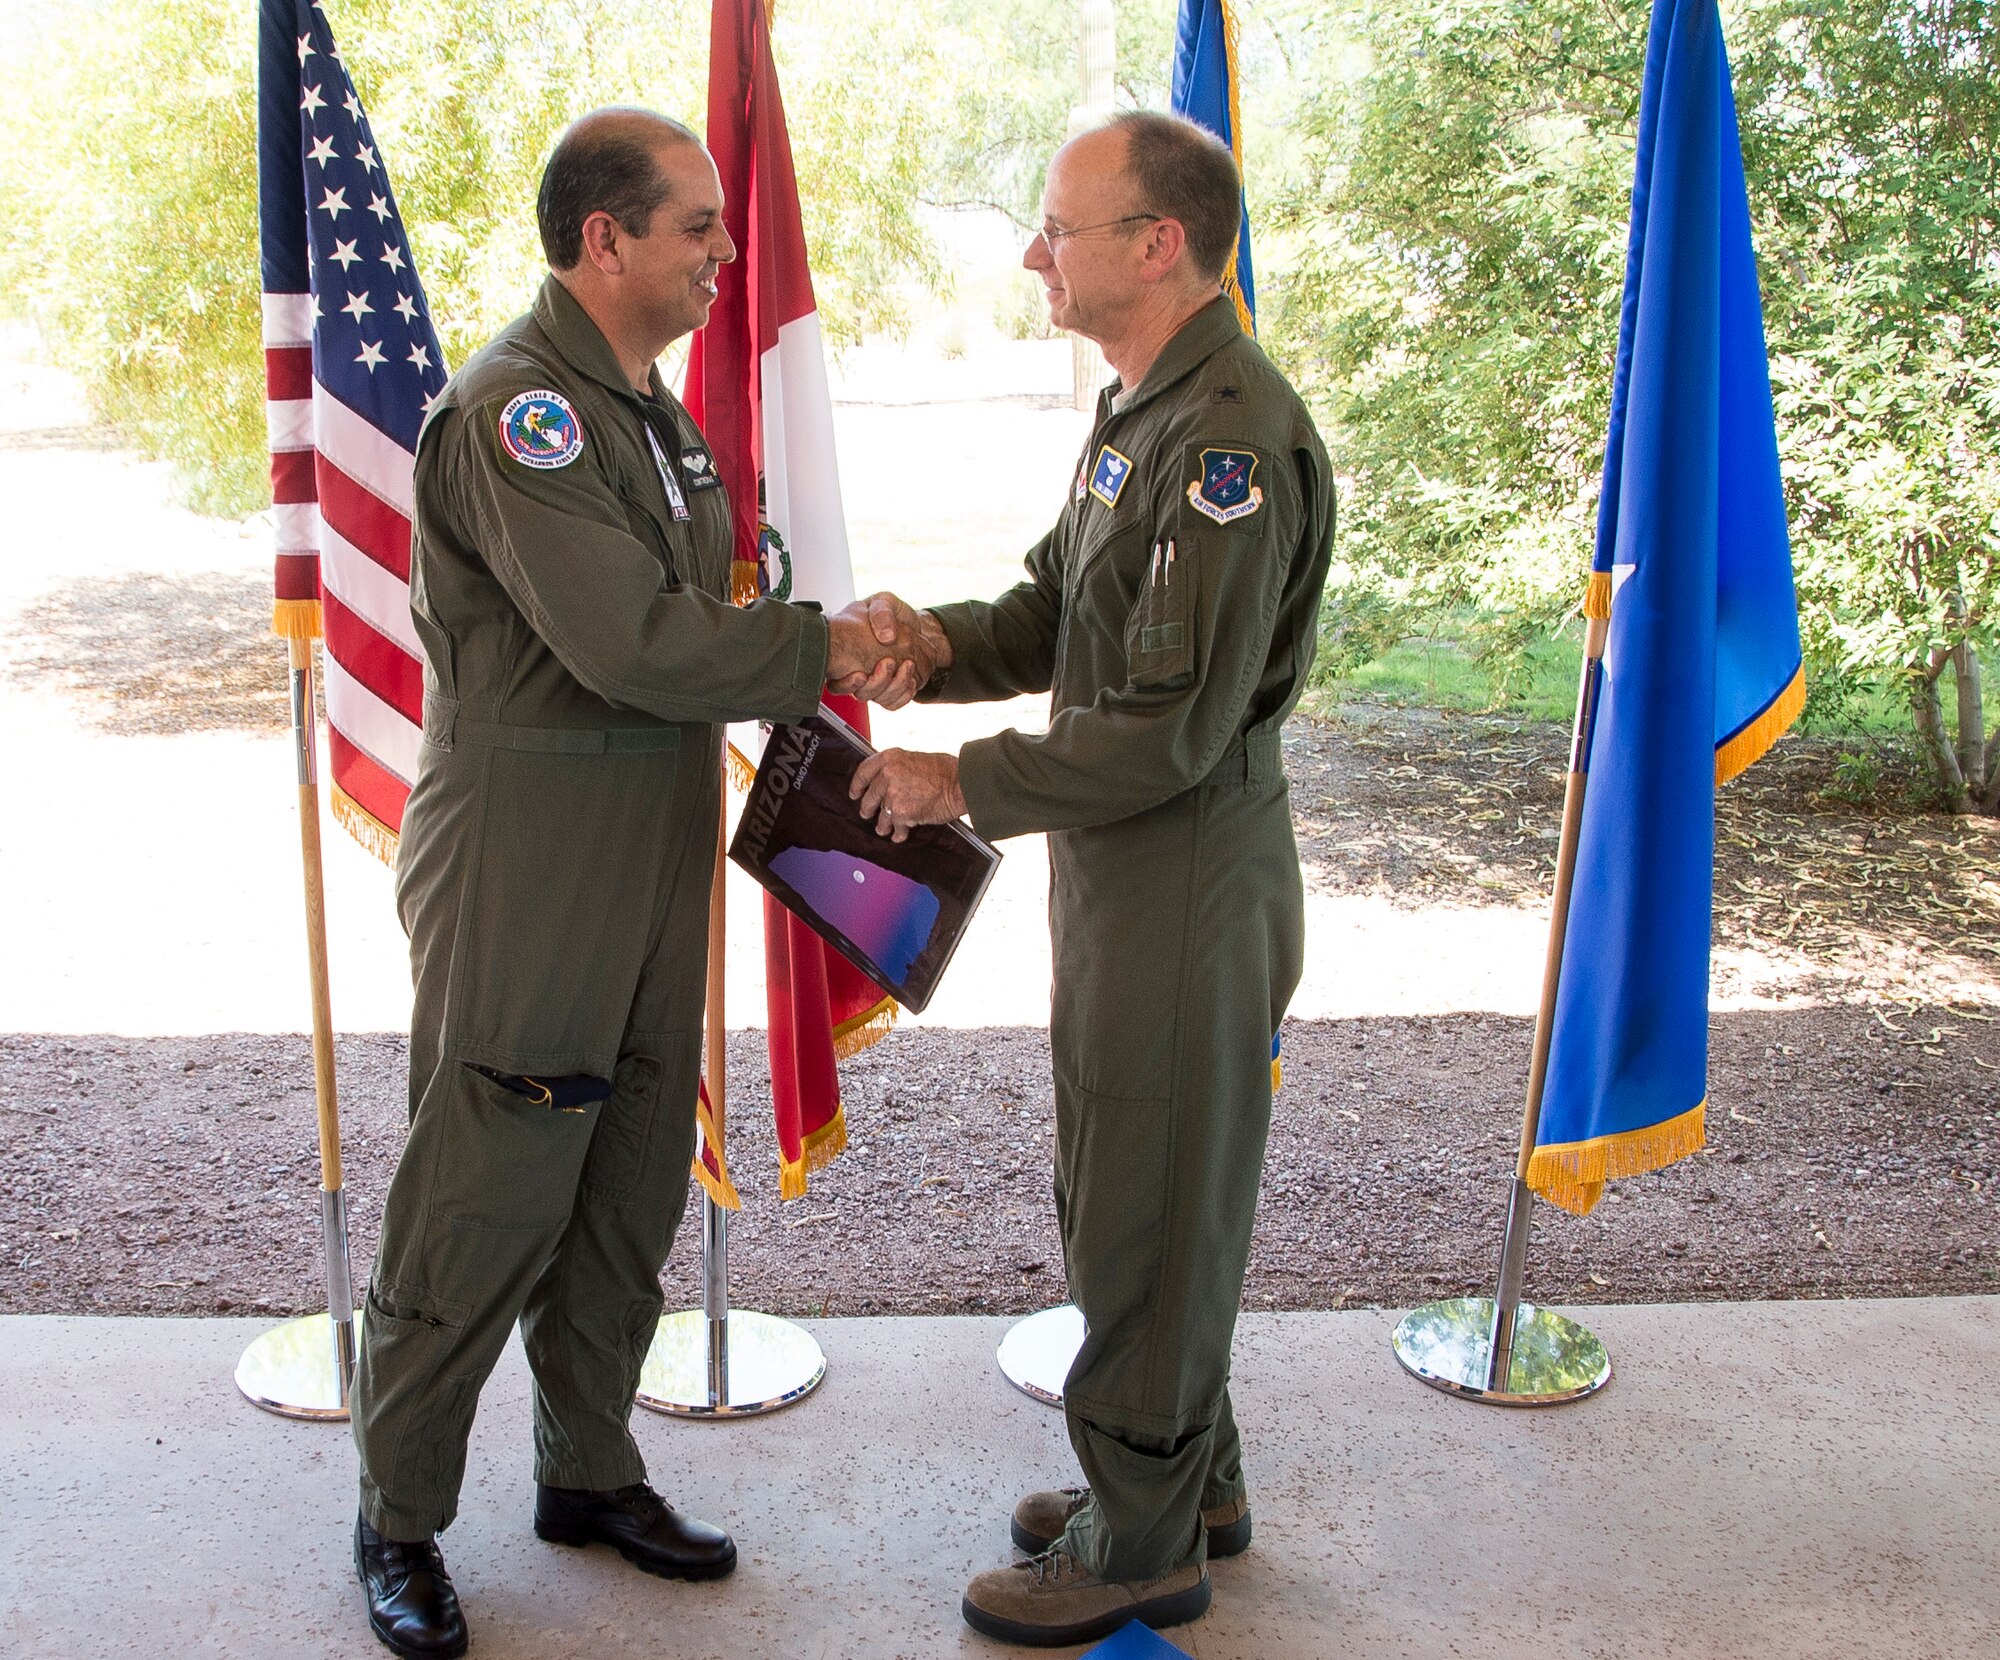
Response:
column 411, row 1604
column 643, row 1528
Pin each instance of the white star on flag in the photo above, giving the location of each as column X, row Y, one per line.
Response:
column 311, row 102
column 378, row 207
column 406, row 306
column 335, row 204
column 370, row 356
column 343, row 253
column 365, row 154
column 305, row 47
column 352, row 105
column 392, row 256
column 420, row 357
column 322, row 151
column 357, row 305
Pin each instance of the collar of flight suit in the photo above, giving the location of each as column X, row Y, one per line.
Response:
column 581, row 342
column 1194, row 343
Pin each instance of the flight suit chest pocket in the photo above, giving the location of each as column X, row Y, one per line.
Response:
column 1160, row 628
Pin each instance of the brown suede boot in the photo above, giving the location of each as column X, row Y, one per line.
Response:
column 1050, row 1600
column 1040, row 1518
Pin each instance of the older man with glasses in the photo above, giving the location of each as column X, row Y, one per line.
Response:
column 1172, row 614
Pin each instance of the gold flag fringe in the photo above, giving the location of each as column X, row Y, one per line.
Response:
column 822, row 1147
column 865, row 1030
column 1597, row 596
column 1232, row 42
column 364, row 826
column 1572, row 1174
column 1749, row 743
column 296, row 619
column 1277, row 1076
column 715, row 1183
column 743, row 580
column 742, row 770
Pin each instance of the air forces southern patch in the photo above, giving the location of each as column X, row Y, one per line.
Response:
column 1225, row 491
column 699, row 466
column 1108, row 477
column 540, row 430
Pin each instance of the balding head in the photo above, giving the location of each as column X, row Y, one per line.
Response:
column 605, row 162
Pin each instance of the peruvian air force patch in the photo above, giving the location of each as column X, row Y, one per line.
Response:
column 540, row 430
column 1224, row 491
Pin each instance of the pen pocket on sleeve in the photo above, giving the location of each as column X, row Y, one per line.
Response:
column 1159, row 635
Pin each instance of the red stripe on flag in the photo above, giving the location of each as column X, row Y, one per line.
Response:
column 375, row 788
column 364, row 519
column 288, row 373
column 292, row 476
column 298, row 576
column 375, row 660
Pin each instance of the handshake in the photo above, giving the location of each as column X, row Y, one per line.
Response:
column 882, row 651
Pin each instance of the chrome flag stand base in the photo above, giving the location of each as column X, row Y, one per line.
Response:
column 301, row 1369
column 721, row 1362
column 1554, row 1359
column 1038, row 1351
column 1499, row 1349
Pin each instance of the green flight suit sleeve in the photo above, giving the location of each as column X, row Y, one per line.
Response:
column 557, row 542
column 1195, row 649
column 1005, row 647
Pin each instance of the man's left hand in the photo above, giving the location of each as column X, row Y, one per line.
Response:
column 902, row 788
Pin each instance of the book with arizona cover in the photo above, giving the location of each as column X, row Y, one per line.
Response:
column 895, row 910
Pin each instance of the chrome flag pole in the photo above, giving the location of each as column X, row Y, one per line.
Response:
column 715, row 1361
column 1498, row 1349
column 305, row 1367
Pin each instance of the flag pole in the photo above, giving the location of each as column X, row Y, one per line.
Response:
column 1481, row 1348
column 305, row 1367
column 715, row 1361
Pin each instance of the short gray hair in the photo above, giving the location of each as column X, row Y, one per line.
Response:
column 1184, row 172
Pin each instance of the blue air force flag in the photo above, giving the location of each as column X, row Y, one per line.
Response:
column 1702, row 669
column 1204, row 90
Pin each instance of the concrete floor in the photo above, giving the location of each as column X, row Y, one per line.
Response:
column 1780, row 1479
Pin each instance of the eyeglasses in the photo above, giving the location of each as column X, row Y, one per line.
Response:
column 1052, row 234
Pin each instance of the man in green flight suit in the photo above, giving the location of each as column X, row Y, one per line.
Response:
column 1172, row 613
column 570, row 580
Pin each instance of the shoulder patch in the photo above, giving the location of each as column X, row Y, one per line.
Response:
column 1226, row 489
column 1108, row 477
column 1229, row 394
column 540, row 429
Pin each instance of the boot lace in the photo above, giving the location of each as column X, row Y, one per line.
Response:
column 1053, row 1566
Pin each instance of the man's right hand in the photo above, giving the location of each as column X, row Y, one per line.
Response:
column 881, row 650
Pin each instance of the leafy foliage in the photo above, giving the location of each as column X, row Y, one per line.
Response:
column 1458, row 230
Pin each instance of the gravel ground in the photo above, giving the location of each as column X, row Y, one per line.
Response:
column 1847, row 1158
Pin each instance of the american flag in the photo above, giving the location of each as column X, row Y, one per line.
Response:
column 351, row 365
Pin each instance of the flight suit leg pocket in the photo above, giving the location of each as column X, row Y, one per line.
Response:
column 515, row 1159
column 626, row 1133
column 1114, row 1159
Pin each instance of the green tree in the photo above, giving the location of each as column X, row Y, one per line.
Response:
column 1458, row 232
column 131, row 233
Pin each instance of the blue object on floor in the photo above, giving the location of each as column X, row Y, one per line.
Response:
column 1134, row 1642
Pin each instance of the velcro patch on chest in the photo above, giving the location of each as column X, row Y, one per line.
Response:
column 1226, row 489
column 699, row 466
column 539, row 429
column 1108, row 477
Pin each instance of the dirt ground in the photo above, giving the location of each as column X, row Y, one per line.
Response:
column 1852, row 1126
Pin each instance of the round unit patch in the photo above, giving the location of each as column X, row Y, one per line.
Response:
column 539, row 429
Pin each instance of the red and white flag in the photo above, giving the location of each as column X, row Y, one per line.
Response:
column 351, row 364
column 756, row 384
